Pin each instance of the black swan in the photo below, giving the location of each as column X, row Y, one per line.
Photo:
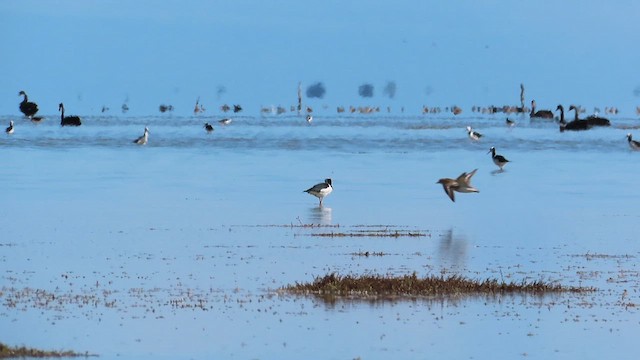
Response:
column 68, row 120
column 28, row 108
column 595, row 120
column 575, row 125
column 541, row 114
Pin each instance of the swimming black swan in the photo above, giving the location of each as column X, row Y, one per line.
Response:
column 595, row 120
column 28, row 108
column 68, row 120
column 541, row 114
column 575, row 125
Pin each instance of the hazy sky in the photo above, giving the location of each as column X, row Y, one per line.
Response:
column 90, row 53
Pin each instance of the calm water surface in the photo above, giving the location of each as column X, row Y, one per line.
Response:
column 175, row 249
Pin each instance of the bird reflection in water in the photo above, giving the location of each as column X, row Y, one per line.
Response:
column 452, row 251
column 320, row 215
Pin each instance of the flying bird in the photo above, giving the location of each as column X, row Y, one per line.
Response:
column 462, row 184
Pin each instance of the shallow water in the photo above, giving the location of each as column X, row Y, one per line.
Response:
column 175, row 249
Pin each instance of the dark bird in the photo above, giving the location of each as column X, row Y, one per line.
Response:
column 575, row 125
column 510, row 122
column 595, row 120
column 462, row 184
column 237, row 108
column 540, row 114
column 68, row 120
column 28, row 108
column 499, row 160
column 9, row 130
column 208, row 127
column 321, row 190
column 635, row 145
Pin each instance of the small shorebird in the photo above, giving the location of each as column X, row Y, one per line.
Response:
column 321, row 190
column 635, row 145
column 499, row 160
column 510, row 122
column 9, row 130
column 208, row 127
column 473, row 135
column 142, row 140
column 309, row 118
column 225, row 121
column 462, row 184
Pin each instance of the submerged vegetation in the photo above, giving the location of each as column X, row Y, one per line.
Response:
column 365, row 286
column 8, row 352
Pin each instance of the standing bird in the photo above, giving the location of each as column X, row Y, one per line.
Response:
column 28, row 108
column 68, row 120
column 309, row 118
column 208, row 127
column 499, row 160
column 462, row 184
column 9, row 130
column 510, row 122
column 321, row 190
column 142, row 140
column 635, row 145
column 473, row 135
column 540, row 114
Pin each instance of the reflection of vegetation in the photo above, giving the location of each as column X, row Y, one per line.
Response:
column 365, row 286
column 7, row 352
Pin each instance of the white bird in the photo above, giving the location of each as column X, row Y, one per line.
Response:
column 142, row 140
column 309, row 118
column 473, row 135
column 321, row 190
column 635, row 145
column 462, row 184
column 225, row 121
column 9, row 130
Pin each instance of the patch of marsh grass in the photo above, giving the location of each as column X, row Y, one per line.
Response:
column 411, row 286
column 9, row 352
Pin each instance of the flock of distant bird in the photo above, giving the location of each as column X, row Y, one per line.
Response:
column 461, row 184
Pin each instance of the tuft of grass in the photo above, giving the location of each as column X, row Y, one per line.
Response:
column 9, row 352
column 335, row 285
column 371, row 233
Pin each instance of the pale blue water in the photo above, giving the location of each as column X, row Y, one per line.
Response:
column 179, row 245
